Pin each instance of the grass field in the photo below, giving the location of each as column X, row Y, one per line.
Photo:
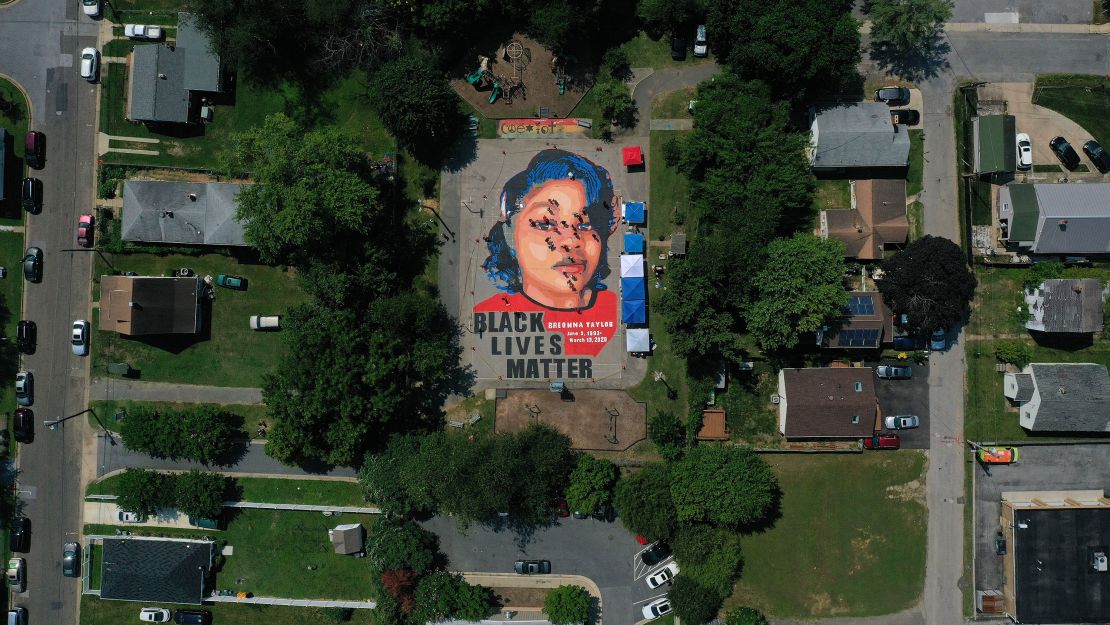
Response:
column 643, row 51
column 95, row 611
column 226, row 352
column 915, row 212
column 272, row 490
column 832, row 194
column 673, row 104
column 917, row 162
column 14, row 119
column 851, row 540
column 1081, row 98
column 659, row 396
column 669, row 193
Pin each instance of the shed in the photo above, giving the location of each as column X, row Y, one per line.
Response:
column 634, row 212
column 713, row 425
column 678, row 244
column 633, row 243
column 995, row 144
column 349, row 538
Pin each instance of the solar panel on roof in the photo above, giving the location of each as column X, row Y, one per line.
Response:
column 861, row 305
column 862, row 337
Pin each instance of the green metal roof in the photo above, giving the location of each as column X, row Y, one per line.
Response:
column 997, row 144
column 1026, row 212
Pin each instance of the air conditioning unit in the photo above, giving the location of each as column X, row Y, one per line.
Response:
column 776, row 400
column 1098, row 562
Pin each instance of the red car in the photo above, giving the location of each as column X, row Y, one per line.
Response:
column 561, row 508
column 884, row 440
column 85, row 230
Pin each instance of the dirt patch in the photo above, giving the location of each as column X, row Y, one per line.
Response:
column 585, row 419
column 823, row 605
column 519, row 597
column 862, row 554
column 180, row 175
column 910, row 491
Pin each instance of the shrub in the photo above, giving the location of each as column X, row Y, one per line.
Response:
column 1040, row 272
column 1015, row 352
column 401, row 544
column 667, row 433
column 693, row 603
column 672, row 151
column 616, row 65
column 145, row 491
column 591, row 484
column 745, row 616
column 200, row 495
column 337, row 615
column 566, row 605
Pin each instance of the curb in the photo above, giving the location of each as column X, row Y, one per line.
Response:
column 512, row 580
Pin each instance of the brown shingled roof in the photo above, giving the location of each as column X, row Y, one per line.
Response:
column 823, row 402
column 878, row 218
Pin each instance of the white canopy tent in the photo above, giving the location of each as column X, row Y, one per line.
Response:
column 632, row 265
column 637, row 340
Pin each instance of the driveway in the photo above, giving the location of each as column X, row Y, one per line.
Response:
column 1041, row 467
column 1041, row 125
column 604, row 552
column 901, row 397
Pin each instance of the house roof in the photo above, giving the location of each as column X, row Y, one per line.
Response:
column 164, row 570
column 713, row 425
column 1072, row 305
column 203, row 70
column 867, row 323
column 824, row 402
column 157, row 80
column 995, row 144
column 678, row 243
column 1023, row 199
column 1025, row 387
column 877, row 218
column 1074, row 397
column 1074, row 218
column 140, row 305
column 349, row 538
column 161, row 211
column 858, row 135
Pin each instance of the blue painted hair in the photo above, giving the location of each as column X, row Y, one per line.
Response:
column 501, row 265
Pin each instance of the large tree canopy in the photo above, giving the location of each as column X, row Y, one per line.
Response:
column 726, row 486
column 643, row 502
column 416, row 104
column 931, row 282
column 908, row 25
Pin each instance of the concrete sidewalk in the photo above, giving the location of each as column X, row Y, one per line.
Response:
column 116, row 389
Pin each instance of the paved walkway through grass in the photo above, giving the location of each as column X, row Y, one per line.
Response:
column 117, row 389
column 672, row 124
column 305, row 603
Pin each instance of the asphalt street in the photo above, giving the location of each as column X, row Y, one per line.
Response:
column 39, row 41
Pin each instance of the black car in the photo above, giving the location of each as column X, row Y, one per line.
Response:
column 906, row 117
column 532, row 567
column 1098, row 156
column 655, row 554
column 678, row 47
column 893, row 95
column 26, row 334
column 32, row 265
column 32, row 195
column 1064, row 152
column 23, row 425
column 34, row 147
column 19, row 539
column 71, row 560
column 605, row 513
column 192, row 617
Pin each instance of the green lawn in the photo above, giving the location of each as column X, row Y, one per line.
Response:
column 273, row 550
column 832, row 194
column 272, row 490
column 226, row 353
column 643, row 51
column 96, row 555
column 657, row 394
column 851, row 540
column 669, row 193
column 1081, row 98
column 251, row 414
column 917, row 162
column 673, row 104
column 915, row 212
column 751, row 417
column 14, row 119
column 95, row 611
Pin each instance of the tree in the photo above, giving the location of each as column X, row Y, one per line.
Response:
column 908, row 25
column 1041, row 271
column 616, row 103
column 567, row 605
column 441, row 595
column 1016, row 352
column 799, row 289
column 721, row 556
column 728, row 486
column 930, row 282
column 200, row 495
column 668, row 16
column 643, row 502
column 390, row 479
column 693, row 603
column 401, row 585
column 401, row 544
column 203, row 433
column 591, row 484
column 416, row 104
column 145, row 492
column 745, row 616
column 667, row 433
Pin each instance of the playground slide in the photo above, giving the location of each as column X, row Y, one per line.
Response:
column 496, row 92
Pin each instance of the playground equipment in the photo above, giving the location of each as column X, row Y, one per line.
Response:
column 495, row 93
column 611, row 435
column 559, row 68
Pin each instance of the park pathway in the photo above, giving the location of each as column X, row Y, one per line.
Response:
column 117, row 389
column 662, row 81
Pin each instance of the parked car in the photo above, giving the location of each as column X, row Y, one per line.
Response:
column 23, row 425
column 893, row 95
column 85, row 230
column 17, row 616
column 938, row 340
column 562, row 510
column 902, row 422
column 19, row 536
column 155, row 615
column 532, row 567
column 701, row 44
column 906, row 117
column 31, row 195
column 123, row 516
column 26, row 334
column 192, row 617
column 1024, row 151
column 883, row 440
column 999, row 544
column 79, row 337
column 1098, row 156
column 34, row 148
column 907, row 343
column 236, row 283
column 142, row 31
column 894, row 372
column 91, row 7
column 578, row 514
column 678, row 47
column 32, row 265
column 998, row 455
column 90, row 64
column 71, row 560
column 655, row 554
column 265, row 322
column 605, row 513
column 663, row 575
column 657, row 608
column 25, row 388
column 1064, row 152
column 17, row 574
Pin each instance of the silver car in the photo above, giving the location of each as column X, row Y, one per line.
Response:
column 79, row 337
column 893, row 372
column 902, row 422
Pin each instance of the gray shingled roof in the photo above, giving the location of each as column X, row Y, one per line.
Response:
column 1075, row 397
column 203, row 71
column 1073, row 305
column 1024, row 387
column 156, row 570
column 157, row 84
column 161, row 211
column 859, row 135
column 1074, row 218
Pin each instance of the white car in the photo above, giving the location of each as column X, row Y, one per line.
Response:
column 657, row 608
column 701, row 46
column 154, row 615
column 663, row 575
column 1025, row 151
column 91, row 7
column 142, row 31
column 90, row 64
column 130, row 517
column 79, row 337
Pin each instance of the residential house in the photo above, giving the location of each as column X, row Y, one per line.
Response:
column 167, row 82
column 1058, row 218
column 876, row 219
column 828, row 403
column 1070, row 306
column 181, row 213
column 145, row 305
column 867, row 324
column 994, row 144
column 1060, row 397
column 160, row 570
column 859, row 135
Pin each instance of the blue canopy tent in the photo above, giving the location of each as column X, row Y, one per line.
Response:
column 633, row 288
column 633, row 243
column 634, row 311
column 634, row 212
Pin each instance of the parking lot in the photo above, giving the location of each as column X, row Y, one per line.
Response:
column 907, row 397
column 1039, row 467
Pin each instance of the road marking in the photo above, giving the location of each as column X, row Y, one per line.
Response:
column 650, row 599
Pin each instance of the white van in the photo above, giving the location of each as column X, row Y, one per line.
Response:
column 265, row 322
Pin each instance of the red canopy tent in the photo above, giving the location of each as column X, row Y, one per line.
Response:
column 633, row 156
